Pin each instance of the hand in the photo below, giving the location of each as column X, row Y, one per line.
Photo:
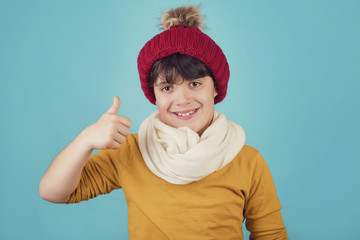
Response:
column 110, row 130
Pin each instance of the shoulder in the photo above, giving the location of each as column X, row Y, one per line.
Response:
column 132, row 140
column 250, row 156
column 131, row 144
column 248, row 152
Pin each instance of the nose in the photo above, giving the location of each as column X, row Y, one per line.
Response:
column 183, row 95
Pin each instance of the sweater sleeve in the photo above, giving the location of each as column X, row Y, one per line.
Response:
column 262, row 207
column 101, row 174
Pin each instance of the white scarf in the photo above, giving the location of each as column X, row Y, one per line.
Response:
column 180, row 156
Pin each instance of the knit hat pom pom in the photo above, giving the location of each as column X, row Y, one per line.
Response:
column 187, row 15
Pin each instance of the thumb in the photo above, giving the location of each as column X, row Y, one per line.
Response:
column 115, row 106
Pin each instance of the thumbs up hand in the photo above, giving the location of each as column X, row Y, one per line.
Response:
column 110, row 130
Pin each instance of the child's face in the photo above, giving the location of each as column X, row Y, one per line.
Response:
column 186, row 103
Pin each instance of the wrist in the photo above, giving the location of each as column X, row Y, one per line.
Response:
column 83, row 139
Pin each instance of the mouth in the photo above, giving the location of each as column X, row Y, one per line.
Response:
column 184, row 115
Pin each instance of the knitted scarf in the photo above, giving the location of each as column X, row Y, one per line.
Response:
column 181, row 156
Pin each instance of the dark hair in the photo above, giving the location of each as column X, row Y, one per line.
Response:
column 186, row 66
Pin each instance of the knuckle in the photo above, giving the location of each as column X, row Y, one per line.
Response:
column 105, row 116
column 108, row 143
column 127, row 132
column 128, row 121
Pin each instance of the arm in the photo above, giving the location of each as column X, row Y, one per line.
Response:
column 64, row 173
column 262, row 207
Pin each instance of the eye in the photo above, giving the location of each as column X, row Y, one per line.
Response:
column 166, row 89
column 195, row 84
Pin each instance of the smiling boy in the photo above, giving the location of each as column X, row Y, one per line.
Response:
column 185, row 103
column 187, row 174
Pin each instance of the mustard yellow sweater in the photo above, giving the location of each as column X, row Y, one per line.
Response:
column 212, row 208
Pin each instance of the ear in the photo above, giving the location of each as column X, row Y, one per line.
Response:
column 153, row 90
column 156, row 102
column 215, row 93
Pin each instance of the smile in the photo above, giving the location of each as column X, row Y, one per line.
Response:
column 184, row 114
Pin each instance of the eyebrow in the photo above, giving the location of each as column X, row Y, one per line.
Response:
column 161, row 83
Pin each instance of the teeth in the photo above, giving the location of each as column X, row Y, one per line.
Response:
column 185, row 114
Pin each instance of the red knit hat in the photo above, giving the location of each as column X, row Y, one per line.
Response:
column 187, row 40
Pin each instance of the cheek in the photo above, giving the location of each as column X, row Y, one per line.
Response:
column 163, row 112
column 158, row 99
column 209, row 98
column 162, row 106
column 160, row 103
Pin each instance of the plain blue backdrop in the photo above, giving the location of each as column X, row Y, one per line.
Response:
column 294, row 88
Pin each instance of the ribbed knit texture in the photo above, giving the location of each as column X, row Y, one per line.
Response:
column 184, row 40
column 181, row 156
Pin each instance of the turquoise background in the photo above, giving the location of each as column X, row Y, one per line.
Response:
column 294, row 88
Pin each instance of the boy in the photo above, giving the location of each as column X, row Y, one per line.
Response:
column 187, row 174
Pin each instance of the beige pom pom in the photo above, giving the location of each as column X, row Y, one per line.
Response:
column 188, row 15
